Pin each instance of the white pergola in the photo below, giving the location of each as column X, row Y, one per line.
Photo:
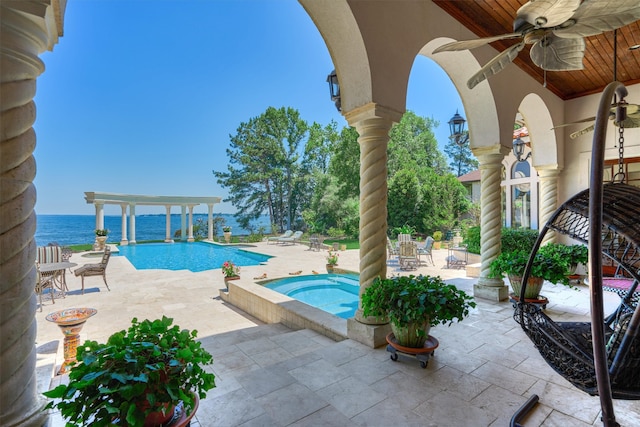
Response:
column 133, row 200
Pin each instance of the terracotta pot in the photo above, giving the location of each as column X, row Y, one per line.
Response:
column 232, row 278
column 534, row 285
column 411, row 336
column 330, row 268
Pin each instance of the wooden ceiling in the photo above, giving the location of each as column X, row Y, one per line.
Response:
column 494, row 17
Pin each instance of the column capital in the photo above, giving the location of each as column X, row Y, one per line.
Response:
column 490, row 155
column 372, row 111
column 548, row 171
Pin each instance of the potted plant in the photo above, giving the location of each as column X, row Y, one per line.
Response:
column 332, row 261
column 136, row 377
column 570, row 255
column 437, row 237
column 413, row 304
column 230, row 271
column 101, row 238
column 549, row 264
column 226, row 230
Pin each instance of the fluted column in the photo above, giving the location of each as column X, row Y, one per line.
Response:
column 26, row 30
column 190, row 237
column 490, row 159
column 373, row 124
column 132, row 223
column 183, row 223
column 167, row 234
column 210, row 221
column 548, row 197
column 99, row 215
column 123, row 222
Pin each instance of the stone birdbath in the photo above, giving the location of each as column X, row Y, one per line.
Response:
column 70, row 321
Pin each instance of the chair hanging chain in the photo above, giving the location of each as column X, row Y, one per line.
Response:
column 620, row 176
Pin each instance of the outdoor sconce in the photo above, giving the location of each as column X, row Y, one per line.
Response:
column 518, row 150
column 456, row 129
column 334, row 89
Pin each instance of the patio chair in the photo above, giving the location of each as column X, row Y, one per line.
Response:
column 315, row 242
column 44, row 282
column 408, row 257
column 295, row 238
column 286, row 234
column 95, row 269
column 426, row 250
column 392, row 251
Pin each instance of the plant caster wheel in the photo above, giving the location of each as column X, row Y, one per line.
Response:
column 393, row 356
column 423, row 365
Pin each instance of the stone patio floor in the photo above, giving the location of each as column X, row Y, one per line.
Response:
column 269, row 375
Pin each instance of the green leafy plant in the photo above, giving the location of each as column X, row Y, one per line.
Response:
column 437, row 235
column 229, row 269
column 548, row 266
column 148, row 368
column 570, row 255
column 407, row 299
column 101, row 232
column 405, row 229
column 332, row 258
column 226, row 229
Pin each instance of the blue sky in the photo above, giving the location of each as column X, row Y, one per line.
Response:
column 140, row 96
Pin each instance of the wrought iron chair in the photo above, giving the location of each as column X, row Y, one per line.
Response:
column 95, row 269
column 44, row 282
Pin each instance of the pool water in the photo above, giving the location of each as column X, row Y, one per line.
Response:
column 196, row 256
column 334, row 293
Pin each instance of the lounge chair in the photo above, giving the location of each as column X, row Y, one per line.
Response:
column 408, row 256
column 295, row 238
column 426, row 249
column 286, row 234
column 95, row 269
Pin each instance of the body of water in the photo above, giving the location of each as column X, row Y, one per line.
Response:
column 80, row 229
column 197, row 256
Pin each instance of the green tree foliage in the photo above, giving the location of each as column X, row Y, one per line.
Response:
column 329, row 209
column 462, row 159
column 444, row 200
column 345, row 162
column 263, row 173
column 413, row 145
column 404, row 199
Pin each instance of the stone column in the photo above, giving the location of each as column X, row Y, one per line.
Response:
column 99, row 215
column 373, row 124
column 490, row 159
column 210, row 221
column 183, row 223
column 167, row 236
column 123, row 222
column 548, row 198
column 190, row 238
column 132, row 223
column 26, row 30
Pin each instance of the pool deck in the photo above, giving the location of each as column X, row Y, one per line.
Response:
column 279, row 375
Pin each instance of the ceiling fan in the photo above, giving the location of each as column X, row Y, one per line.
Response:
column 630, row 118
column 556, row 31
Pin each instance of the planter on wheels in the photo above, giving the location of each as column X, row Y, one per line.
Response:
column 534, row 285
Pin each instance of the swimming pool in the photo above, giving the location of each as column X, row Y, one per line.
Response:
column 196, row 256
column 334, row 293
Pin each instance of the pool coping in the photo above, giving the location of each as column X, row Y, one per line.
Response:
column 272, row 307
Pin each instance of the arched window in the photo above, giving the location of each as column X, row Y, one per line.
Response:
column 520, row 207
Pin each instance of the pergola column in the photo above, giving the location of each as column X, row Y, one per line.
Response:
column 123, row 221
column 373, row 124
column 28, row 29
column 210, row 221
column 490, row 159
column 190, row 238
column 168, row 238
column 183, row 223
column 99, row 215
column 132, row 223
column 548, row 177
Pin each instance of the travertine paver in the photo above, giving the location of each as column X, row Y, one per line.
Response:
column 269, row 375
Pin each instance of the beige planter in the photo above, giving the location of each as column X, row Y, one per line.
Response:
column 100, row 242
column 534, row 285
column 227, row 236
column 410, row 336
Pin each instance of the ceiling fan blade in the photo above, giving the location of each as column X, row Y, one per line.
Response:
column 582, row 132
column 597, row 16
column 496, row 65
column 472, row 44
column 629, row 122
column 557, row 54
column 587, row 120
column 547, row 13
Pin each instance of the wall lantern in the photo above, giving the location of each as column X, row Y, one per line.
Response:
column 456, row 129
column 518, row 149
column 334, row 89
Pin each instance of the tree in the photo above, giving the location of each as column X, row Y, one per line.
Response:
column 404, row 199
column 264, row 165
column 462, row 159
column 413, row 145
column 444, row 199
column 345, row 162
